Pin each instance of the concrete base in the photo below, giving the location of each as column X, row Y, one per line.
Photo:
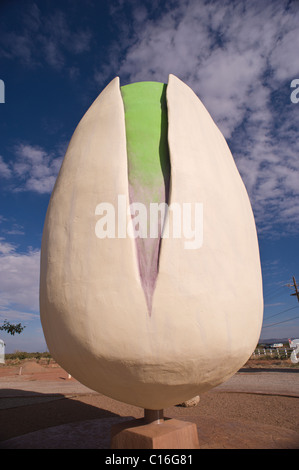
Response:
column 168, row 434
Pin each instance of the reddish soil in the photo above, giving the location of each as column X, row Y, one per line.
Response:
column 30, row 369
column 224, row 419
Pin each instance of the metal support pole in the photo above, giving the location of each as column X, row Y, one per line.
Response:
column 154, row 416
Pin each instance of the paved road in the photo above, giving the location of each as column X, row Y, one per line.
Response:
column 14, row 386
column 268, row 381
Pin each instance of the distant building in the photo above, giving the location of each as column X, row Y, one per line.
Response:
column 2, row 352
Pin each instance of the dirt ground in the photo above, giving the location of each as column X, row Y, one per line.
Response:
column 44, row 408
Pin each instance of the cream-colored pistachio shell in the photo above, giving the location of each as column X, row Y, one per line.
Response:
column 207, row 305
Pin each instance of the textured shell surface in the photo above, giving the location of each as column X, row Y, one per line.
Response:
column 207, row 303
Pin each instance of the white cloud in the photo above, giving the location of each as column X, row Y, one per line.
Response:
column 6, row 247
column 40, row 39
column 16, row 46
column 19, row 280
column 225, row 85
column 19, row 296
column 282, row 55
column 5, row 171
column 16, row 229
column 34, row 169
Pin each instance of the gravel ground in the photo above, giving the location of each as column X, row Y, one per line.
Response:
column 42, row 408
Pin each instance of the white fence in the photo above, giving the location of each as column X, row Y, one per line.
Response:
column 276, row 353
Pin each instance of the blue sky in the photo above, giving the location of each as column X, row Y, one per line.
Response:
column 239, row 57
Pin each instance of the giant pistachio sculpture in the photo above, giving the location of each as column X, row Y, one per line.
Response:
column 151, row 330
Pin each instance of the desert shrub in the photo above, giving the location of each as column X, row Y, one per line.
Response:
column 21, row 355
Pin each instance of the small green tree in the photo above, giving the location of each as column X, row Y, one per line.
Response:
column 11, row 328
